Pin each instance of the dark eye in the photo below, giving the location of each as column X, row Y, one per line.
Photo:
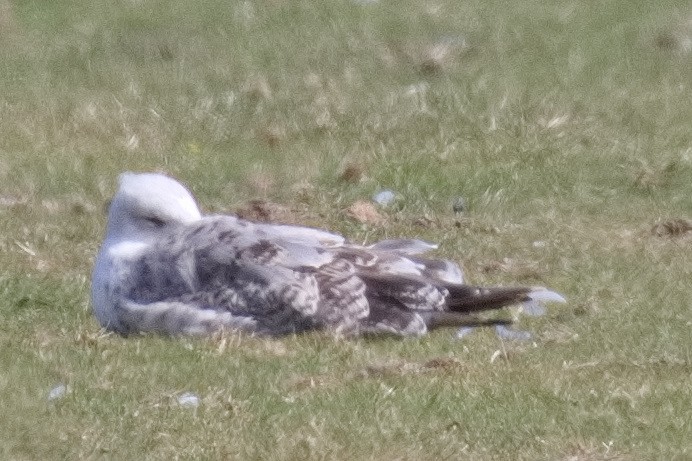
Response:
column 156, row 222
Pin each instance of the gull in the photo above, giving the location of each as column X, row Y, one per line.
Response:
column 165, row 268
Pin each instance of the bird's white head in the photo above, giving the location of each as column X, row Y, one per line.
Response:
column 147, row 203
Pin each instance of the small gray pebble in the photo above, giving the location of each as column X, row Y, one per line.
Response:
column 511, row 334
column 384, row 197
column 57, row 392
column 188, row 399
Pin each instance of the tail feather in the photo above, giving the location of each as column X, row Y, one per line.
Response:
column 441, row 319
column 465, row 298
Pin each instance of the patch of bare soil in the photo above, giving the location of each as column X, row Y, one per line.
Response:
column 674, row 227
column 365, row 213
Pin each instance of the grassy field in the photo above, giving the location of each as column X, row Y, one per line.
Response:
column 566, row 126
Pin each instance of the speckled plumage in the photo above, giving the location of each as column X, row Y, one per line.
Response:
column 164, row 267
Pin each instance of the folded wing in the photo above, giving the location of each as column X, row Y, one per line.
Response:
column 271, row 279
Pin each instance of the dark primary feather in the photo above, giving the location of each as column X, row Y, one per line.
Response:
column 289, row 283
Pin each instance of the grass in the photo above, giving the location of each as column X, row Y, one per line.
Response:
column 564, row 125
